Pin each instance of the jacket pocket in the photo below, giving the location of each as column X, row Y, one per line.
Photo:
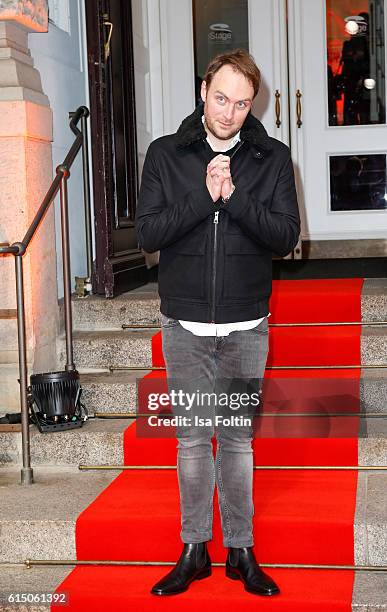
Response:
column 247, row 269
column 182, row 269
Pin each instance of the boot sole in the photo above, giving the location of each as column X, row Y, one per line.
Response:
column 205, row 573
column 233, row 576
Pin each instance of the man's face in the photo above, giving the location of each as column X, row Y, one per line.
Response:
column 226, row 102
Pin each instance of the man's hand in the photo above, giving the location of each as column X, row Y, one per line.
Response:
column 227, row 187
column 219, row 182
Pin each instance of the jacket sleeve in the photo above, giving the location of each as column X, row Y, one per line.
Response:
column 159, row 224
column 277, row 227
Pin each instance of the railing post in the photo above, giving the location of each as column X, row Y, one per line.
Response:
column 86, row 196
column 27, row 477
column 66, row 266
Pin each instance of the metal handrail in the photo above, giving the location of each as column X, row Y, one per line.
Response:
column 86, row 185
column 19, row 248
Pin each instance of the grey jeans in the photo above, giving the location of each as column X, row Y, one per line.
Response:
column 226, row 365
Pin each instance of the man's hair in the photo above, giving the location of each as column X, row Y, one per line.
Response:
column 241, row 61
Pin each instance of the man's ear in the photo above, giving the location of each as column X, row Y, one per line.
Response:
column 203, row 91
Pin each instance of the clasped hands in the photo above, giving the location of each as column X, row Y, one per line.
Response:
column 219, row 181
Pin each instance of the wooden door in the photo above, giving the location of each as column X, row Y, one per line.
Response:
column 119, row 264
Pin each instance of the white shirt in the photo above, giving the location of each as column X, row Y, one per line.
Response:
column 219, row 329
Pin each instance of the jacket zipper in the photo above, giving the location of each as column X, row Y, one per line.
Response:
column 214, row 253
column 237, row 149
column 216, row 221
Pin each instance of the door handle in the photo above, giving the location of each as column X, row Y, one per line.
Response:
column 107, row 43
column 298, row 108
column 277, row 108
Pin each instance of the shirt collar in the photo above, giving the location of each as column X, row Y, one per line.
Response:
column 231, row 144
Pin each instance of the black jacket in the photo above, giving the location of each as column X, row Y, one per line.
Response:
column 216, row 272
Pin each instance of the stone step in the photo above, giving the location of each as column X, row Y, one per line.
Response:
column 373, row 390
column 100, row 441
column 116, row 391
column 105, row 391
column 111, row 391
column 102, row 349
column 38, row 521
column 37, row 580
column 374, row 299
column 374, row 345
column 142, row 306
column 97, row 441
column 369, row 590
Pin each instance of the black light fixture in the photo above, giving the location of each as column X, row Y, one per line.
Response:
column 55, row 401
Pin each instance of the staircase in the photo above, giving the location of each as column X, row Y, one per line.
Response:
column 39, row 521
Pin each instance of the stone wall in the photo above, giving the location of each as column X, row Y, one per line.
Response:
column 25, row 176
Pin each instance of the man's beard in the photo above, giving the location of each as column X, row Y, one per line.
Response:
column 220, row 136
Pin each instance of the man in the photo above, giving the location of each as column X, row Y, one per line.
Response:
column 217, row 198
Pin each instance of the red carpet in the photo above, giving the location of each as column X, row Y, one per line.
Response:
column 301, row 516
column 125, row 589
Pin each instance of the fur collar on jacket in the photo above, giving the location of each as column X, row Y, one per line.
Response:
column 192, row 129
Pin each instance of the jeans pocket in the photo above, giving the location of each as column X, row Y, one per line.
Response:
column 262, row 327
column 168, row 321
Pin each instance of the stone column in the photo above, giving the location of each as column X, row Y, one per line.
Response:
column 25, row 175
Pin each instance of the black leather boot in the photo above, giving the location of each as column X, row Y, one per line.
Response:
column 241, row 565
column 194, row 564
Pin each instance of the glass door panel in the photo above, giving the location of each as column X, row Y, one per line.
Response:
column 219, row 26
column 259, row 26
column 358, row 182
column 355, row 62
